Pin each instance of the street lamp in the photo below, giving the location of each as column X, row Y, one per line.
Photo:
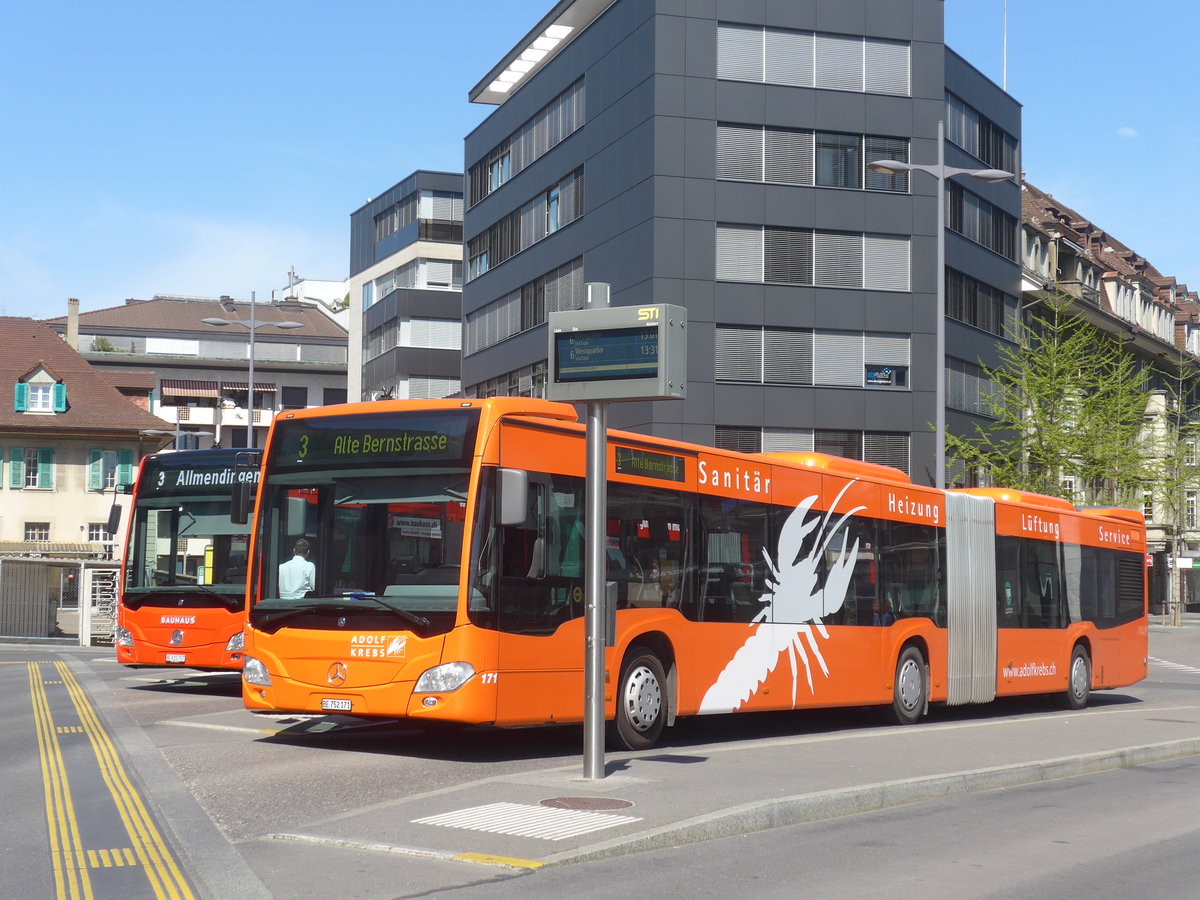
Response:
column 940, row 173
column 252, row 326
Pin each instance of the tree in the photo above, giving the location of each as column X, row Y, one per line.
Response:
column 1172, row 457
column 1068, row 405
column 102, row 345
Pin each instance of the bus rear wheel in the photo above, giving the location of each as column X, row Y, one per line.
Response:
column 910, row 689
column 641, row 702
column 1079, row 679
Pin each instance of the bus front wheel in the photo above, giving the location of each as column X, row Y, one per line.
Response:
column 1079, row 679
column 641, row 702
column 910, row 689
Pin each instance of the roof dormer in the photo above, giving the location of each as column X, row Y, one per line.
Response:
column 40, row 391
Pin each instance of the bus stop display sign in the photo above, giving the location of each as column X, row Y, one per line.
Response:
column 618, row 353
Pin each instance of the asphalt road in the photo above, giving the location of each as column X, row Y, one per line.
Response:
column 221, row 786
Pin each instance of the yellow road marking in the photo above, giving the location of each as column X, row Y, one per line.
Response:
column 510, row 861
column 151, row 850
column 70, row 877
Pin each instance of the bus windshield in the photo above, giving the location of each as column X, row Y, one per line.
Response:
column 373, row 540
column 185, row 543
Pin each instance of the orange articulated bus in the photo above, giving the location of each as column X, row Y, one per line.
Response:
column 447, row 539
column 183, row 579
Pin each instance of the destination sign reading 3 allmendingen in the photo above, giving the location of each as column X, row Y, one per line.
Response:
column 607, row 354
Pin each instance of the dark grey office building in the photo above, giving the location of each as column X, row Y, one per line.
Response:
column 405, row 279
column 714, row 155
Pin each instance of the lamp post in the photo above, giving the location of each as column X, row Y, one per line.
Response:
column 252, row 326
column 940, row 173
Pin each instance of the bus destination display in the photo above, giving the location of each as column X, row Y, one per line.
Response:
column 408, row 438
column 606, row 355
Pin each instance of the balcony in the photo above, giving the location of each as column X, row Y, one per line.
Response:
column 1082, row 291
column 188, row 415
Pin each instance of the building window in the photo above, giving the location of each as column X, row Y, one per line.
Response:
column 98, row 531
column 807, row 256
column 804, row 356
column 527, row 225
column 1189, row 453
column 542, row 132
column 31, row 468
column 838, row 160
column 498, row 171
column 804, row 157
column 981, row 305
column 812, row 59
column 558, row 290
column 294, row 397
column 978, row 220
column 968, row 388
column 37, row 531
column 553, row 197
column 1190, row 509
column 41, row 398
column 330, row 396
column 1148, row 506
column 974, row 132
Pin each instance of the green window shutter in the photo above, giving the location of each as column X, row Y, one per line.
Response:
column 124, row 467
column 21, row 396
column 95, row 470
column 60, row 397
column 46, row 468
column 16, row 470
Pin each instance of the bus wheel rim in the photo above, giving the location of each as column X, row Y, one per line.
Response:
column 909, row 684
column 643, row 698
column 1079, row 677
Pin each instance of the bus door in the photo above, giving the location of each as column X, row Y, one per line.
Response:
column 971, row 570
column 539, row 600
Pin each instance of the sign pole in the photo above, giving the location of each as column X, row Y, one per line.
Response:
column 594, row 593
column 597, row 355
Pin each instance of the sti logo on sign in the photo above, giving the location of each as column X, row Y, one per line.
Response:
column 648, row 314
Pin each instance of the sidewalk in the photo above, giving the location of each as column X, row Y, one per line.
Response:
column 668, row 798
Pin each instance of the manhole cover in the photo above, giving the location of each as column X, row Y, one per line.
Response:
column 590, row 803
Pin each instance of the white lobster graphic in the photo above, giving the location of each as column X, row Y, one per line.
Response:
column 795, row 600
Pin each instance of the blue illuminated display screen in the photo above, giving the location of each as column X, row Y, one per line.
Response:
column 606, row 355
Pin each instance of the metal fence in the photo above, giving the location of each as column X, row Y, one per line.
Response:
column 71, row 600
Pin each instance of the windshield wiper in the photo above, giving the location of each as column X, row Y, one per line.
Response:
column 275, row 615
column 411, row 617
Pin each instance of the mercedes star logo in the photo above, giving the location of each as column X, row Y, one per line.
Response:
column 337, row 674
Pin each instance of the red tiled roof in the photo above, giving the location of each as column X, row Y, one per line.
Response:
column 93, row 403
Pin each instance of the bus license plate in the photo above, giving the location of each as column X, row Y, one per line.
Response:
column 176, row 657
column 335, row 705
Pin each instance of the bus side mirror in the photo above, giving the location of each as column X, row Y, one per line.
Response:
column 513, row 502
column 240, row 501
column 114, row 519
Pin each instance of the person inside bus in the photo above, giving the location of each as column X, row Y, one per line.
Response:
column 297, row 576
column 883, row 614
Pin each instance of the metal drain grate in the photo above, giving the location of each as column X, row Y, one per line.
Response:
column 524, row 820
column 593, row 803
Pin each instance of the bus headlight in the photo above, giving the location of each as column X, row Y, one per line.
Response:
column 124, row 638
column 255, row 672
column 444, row 678
column 237, row 642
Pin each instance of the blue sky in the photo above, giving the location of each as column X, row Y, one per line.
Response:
column 204, row 148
